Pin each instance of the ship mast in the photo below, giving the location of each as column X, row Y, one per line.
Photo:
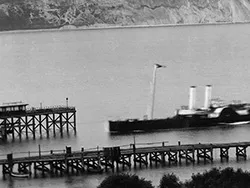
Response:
column 156, row 66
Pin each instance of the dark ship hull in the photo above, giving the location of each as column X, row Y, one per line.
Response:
column 227, row 116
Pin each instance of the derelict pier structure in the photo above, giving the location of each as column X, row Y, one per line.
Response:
column 18, row 122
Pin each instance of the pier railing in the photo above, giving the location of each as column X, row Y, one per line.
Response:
column 28, row 154
column 41, row 153
column 49, row 108
column 139, row 146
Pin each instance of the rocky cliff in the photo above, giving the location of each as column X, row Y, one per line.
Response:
column 40, row 14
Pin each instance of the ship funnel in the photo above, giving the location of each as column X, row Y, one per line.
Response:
column 208, row 96
column 192, row 93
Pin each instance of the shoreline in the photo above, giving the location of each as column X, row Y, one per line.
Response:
column 61, row 29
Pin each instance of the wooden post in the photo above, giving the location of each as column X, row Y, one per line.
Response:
column 237, row 153
column 67, row 122
column 35, row 174
column 211, row 153
column 56, row 167
column 112, row 165
column 47, row 125
column 5, row 130
column 43, row 169
column 60, row 167
column 221, row 154
column 33, row 127
column 40, row 125
column 54, row 125
column 193, row 154
column 19, row 169
column 146, row 157
column 13, row 129
column 180, row 155
column 245, row 153
column 140, row 158
column 77, row 167
column 179, row 143
column 82, row 159
column 67, row 165
column 71, row 162
column 51, row 168
column 4, row 171
column 20, row 129
column 10, row 162
column 150, row 159
column 198, row 156
column 26, row 127
column 204, row 155
column 156, row 159
column 129, row 162
column 61, row 124
column 74, row 123
column 134, row 153
column 30, row 169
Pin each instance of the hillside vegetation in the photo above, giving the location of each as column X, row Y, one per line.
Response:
column 41, row 14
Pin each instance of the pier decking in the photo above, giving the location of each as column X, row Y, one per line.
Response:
column 67, row 162
column 41, row 121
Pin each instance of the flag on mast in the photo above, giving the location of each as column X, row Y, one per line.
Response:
column 156, row 65
column 159, row 66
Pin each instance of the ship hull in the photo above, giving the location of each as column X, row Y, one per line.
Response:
column 177, row 122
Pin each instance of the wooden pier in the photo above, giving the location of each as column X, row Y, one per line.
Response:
column 114, row 159
column 42, row 122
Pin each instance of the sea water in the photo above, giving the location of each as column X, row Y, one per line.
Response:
column 106, row 74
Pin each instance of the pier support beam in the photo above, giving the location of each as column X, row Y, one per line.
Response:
column 241, row 152
column 125, row 160
column 172, row 157
column 188, row 155
column 224, row 153
column 142, row 159
column 206, row 154
column 155, row 157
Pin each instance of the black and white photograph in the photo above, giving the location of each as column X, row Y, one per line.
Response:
column 124, row 93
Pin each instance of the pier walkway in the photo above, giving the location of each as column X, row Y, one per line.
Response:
column 67, row 162
column 37, row 121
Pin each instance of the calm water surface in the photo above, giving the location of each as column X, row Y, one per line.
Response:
column 106, row 74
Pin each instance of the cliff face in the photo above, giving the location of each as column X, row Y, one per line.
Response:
column 40, row 14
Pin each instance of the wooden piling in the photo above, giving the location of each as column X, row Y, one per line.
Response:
column 134, row 155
